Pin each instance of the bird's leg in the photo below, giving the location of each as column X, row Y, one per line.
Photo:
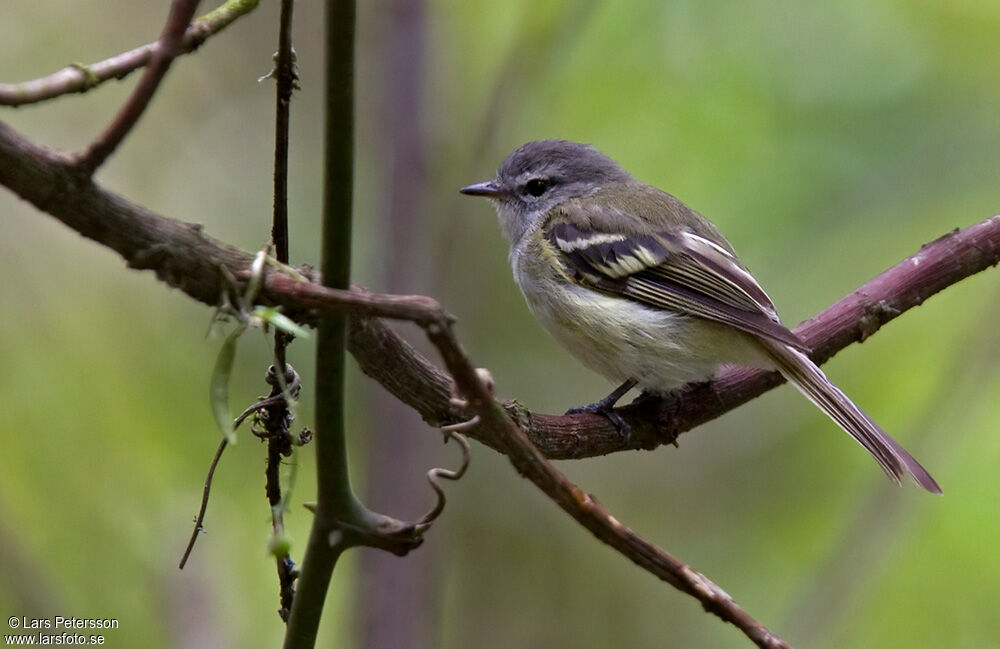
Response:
column 605, row 407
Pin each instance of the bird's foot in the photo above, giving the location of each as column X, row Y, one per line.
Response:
column 606, row 410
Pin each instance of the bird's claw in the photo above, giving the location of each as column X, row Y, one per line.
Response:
column 608, row 412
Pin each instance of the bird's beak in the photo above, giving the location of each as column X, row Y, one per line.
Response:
column 489, row 189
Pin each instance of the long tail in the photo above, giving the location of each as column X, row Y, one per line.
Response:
column 810, row 380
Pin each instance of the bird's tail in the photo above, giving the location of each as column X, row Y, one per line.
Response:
column 810, row 381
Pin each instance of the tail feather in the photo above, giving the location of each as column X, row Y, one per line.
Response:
column 811, row 382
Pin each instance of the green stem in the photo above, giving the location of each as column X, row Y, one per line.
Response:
column 310, row 591
column 338, row 182
column 336, row 502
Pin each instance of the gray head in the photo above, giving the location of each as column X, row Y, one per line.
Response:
column 540, row 175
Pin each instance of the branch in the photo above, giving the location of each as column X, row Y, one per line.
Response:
column 184, row 257
column 384, row 356
column 276, row 426
column 81, row 78
column 337, row 509
column 164, row 51
column 150, row 241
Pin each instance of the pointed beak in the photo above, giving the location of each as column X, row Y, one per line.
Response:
column 489, row 189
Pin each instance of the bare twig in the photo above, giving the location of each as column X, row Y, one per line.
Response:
column 81, row 78
column 264, row 404
column 336, row 506
column 164, row 51
column 285, row 77
column 200, row 519
column 279, row 440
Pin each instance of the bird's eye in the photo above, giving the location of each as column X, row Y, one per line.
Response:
column 536, row 186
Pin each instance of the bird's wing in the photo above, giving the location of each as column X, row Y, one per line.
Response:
column 674, row 269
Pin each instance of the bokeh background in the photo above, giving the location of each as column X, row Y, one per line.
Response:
column 828, row 140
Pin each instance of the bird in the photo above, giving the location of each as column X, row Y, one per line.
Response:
column 646, row 291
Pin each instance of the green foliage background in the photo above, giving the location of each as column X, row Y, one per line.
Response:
column 828, row 140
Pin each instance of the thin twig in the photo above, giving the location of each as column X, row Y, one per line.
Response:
column 285, row 83
column 164, row 52
column 279, row 439
column 336, row 503
column 200, row 519
column 260, row 405
column 81, row 78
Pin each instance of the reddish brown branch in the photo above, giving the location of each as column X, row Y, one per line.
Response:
column 163, row 54
column 937, row 265
column 81, row 78
column 184, row 257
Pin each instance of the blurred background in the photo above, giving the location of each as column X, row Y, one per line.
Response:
column 827, row 140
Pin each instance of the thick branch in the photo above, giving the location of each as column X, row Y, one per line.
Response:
column 384, row 356
column 184, row 257
column 150, row 241
column 81, row 78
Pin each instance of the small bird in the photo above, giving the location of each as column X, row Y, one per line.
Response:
column 644, row 290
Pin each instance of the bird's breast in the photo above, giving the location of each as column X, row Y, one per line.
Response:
column 617, row 337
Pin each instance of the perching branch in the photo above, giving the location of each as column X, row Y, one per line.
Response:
column 174, row 249
column 413, row 379
column 184, row 257
column 81, row 78
column 164, row 51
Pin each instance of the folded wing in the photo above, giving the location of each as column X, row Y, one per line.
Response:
column 680, row 271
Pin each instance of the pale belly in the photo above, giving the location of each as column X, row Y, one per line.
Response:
column 622, row 339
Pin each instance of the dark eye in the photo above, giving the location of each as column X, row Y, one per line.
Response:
column 536, row 186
